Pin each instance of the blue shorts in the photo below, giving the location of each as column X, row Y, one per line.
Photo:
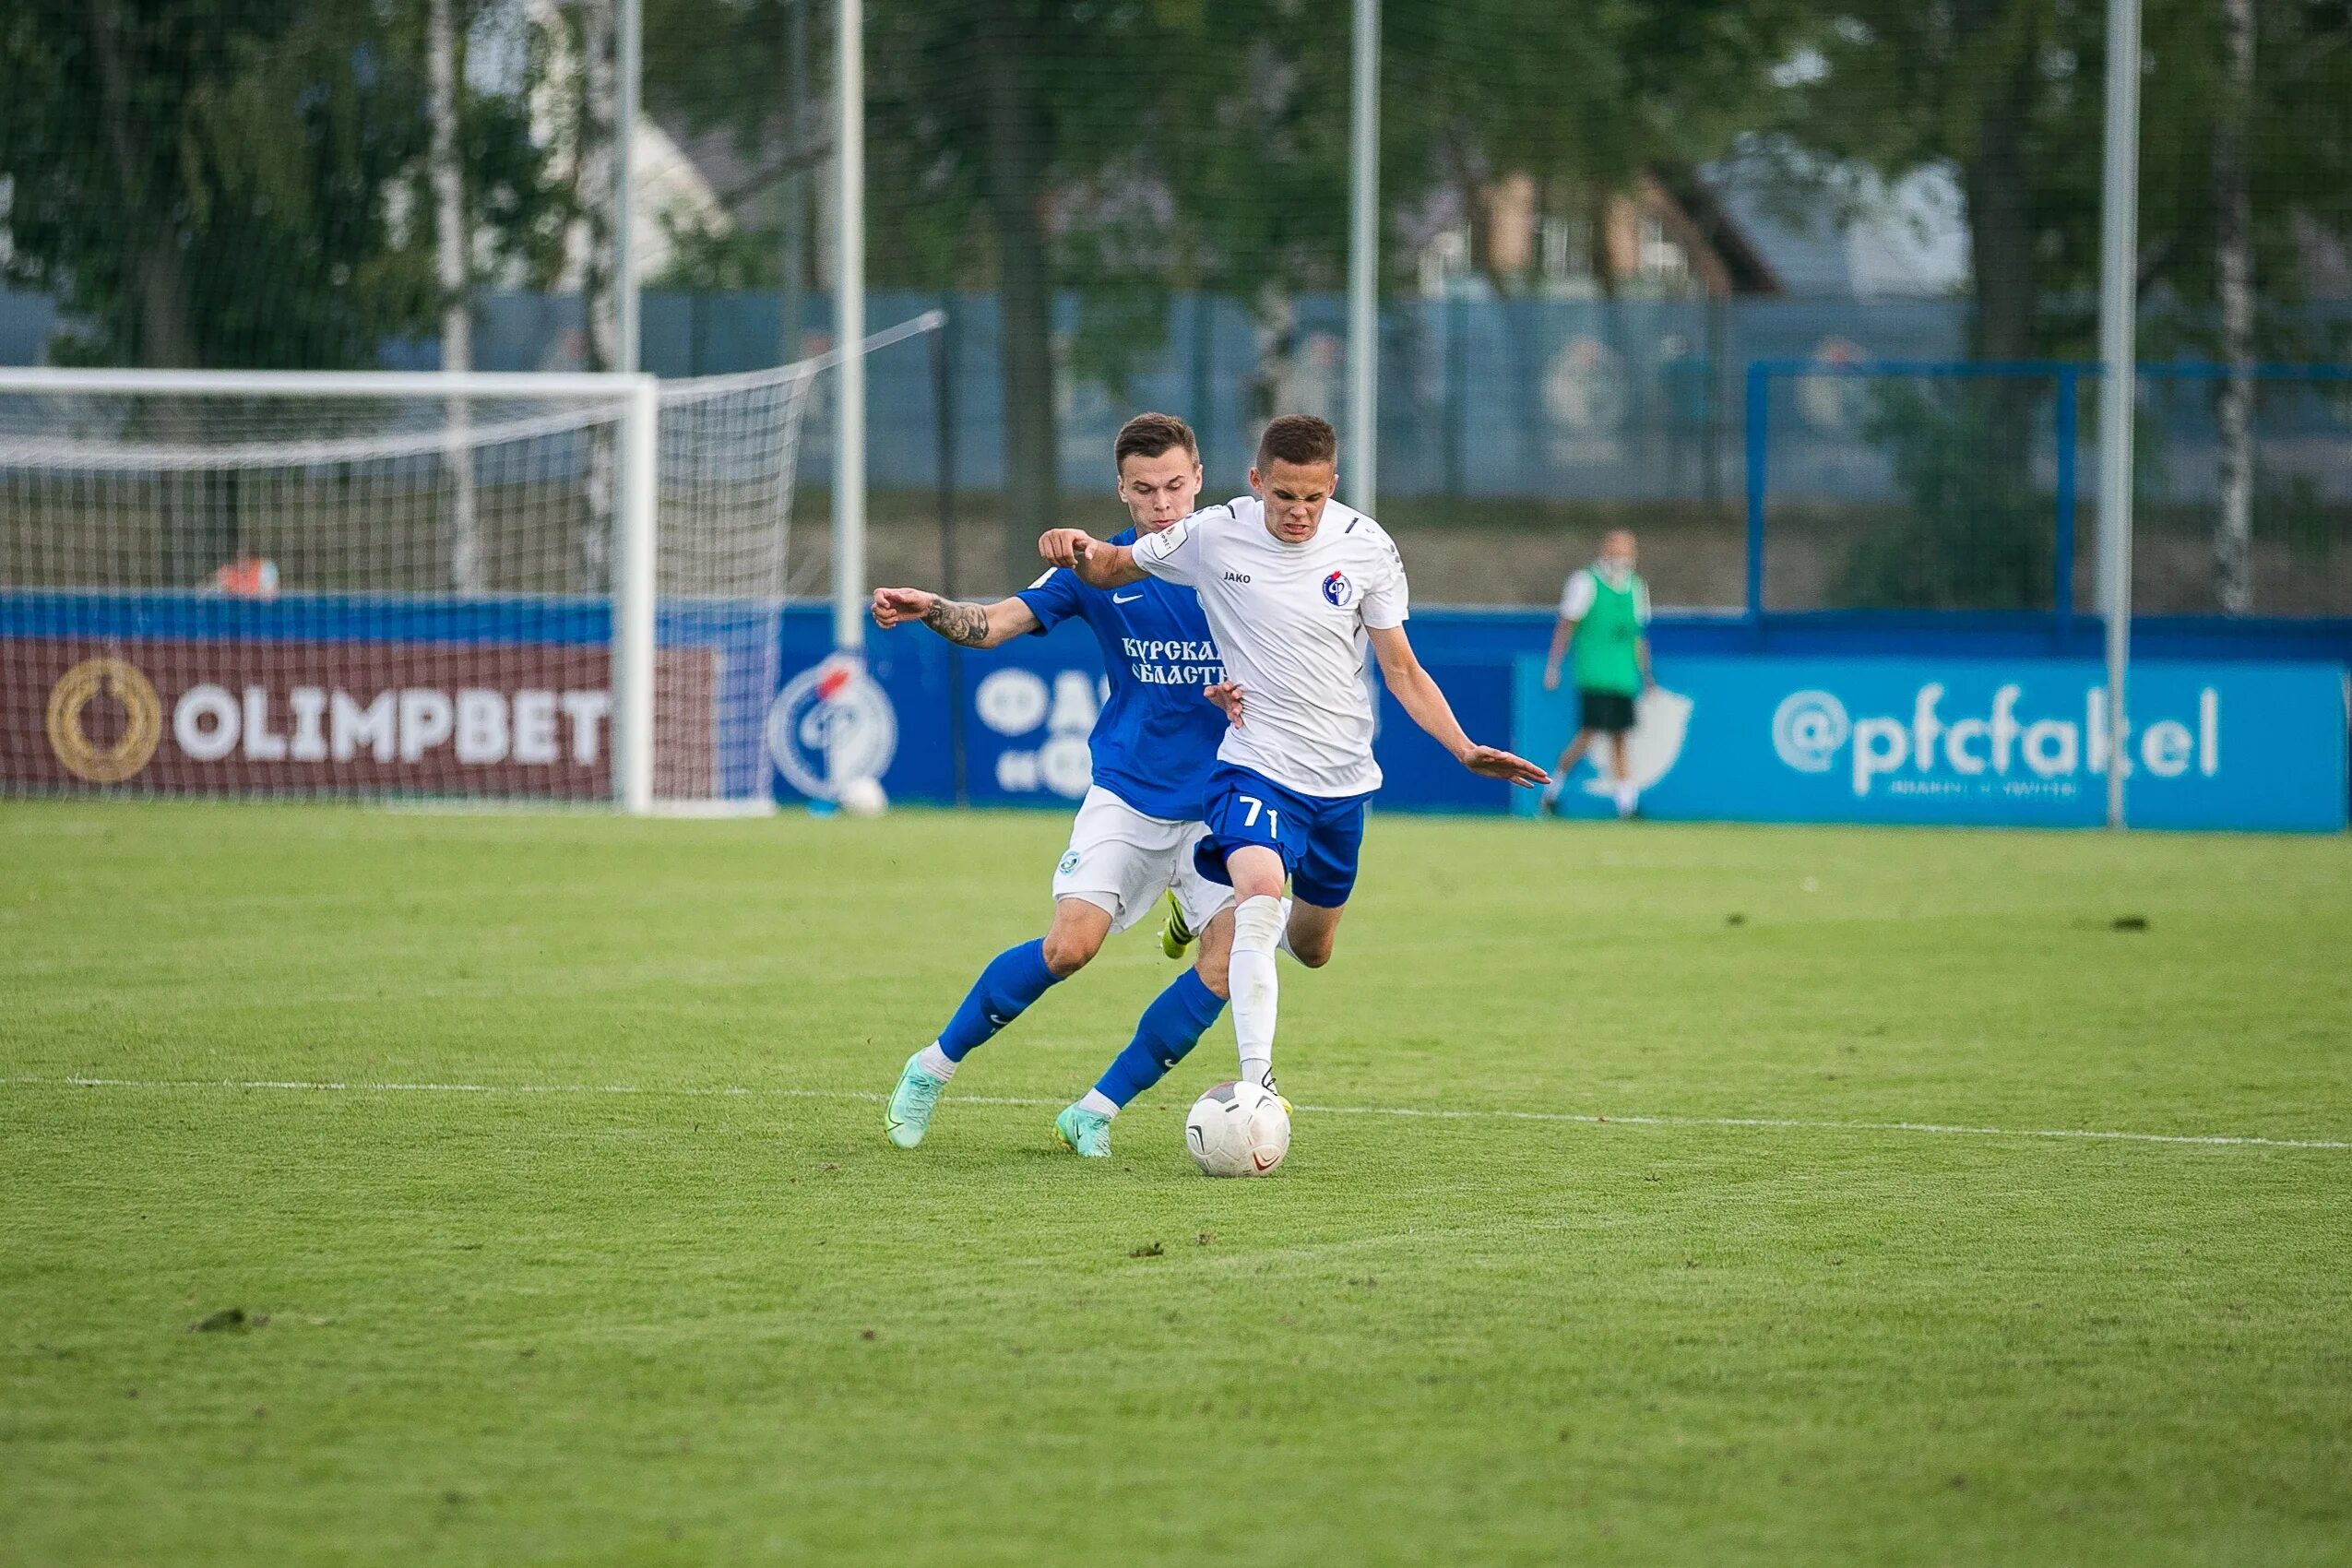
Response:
column 1317, row 837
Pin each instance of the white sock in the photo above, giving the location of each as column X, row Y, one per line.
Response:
column 1551, row 791
column 1257, row 928
column 1626, row 796
column 1099, row 1103
column 932, row 1060
column 1282, row 943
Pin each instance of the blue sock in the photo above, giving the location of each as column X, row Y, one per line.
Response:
column 1013, row 979
column 1171, row 1026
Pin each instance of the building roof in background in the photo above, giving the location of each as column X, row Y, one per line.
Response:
column 740, row 180
column 1840, row 232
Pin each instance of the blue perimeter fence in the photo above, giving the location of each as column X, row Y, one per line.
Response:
column 1610, row 405
column 2306, row 433
column 1546, row 400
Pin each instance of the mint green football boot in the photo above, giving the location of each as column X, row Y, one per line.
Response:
column 1086, row 1132
column 911, row 1103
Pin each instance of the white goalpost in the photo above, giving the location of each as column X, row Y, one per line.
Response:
column 250, row 584
column 517, row 588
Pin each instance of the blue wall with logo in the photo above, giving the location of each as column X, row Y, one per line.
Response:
column 2011, row 742
column 1019, row 714
column 2266, row 749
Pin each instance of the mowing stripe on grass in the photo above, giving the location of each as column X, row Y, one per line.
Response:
column 1780, row 1123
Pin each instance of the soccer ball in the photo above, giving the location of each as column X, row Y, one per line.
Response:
column 862, row 797
column 1238, row 1130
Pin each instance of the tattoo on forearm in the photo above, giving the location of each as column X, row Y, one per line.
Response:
column 959, row 621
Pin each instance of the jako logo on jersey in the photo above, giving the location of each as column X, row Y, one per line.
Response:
column 1338, row 590
column 2000, row 753
column 1237, row 577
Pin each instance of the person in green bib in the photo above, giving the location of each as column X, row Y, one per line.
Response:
column 1603, row 613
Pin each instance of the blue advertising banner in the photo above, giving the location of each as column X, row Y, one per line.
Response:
column 1926, row 718
column 1021, row 714
column 2021, row 743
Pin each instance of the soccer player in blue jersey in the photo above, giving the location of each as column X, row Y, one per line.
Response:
column 1300, row 592
column 1154, row 745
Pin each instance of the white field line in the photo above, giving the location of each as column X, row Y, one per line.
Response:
column 1779, row 1123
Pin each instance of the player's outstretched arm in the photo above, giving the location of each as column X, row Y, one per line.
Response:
column 1102, row 566
column 1562, row 633
column 971, row 625
column 1418, row 692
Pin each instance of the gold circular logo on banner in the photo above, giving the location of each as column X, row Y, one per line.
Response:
column 142, row 729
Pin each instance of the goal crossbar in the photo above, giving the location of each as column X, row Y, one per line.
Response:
column 329, row 384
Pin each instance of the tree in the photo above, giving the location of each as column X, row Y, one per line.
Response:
column 576, row 83
column 1133, row 150
column 2234, row 266
column 230, row 183
column 447, row 70
column 208, row 182
column 201, row 182
column 2009, row 94
column 981, row 115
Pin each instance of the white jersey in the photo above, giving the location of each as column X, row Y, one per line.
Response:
column 1289, row 621
column 1583, row 587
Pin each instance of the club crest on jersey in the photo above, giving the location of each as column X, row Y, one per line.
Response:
column 1338, row 590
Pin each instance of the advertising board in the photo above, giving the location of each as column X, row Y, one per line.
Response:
column 2007, row 742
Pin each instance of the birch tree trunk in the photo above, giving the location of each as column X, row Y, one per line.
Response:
column 2234, row 224
column 599, row 140
column 450, row 241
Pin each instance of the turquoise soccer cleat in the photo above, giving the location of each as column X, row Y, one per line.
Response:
column 1086, row 1132
column 911, row 1103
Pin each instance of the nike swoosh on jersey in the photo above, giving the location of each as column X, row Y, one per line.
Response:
column 1129, row 599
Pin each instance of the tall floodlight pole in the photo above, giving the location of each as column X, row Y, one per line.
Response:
column 2118, row 302
column 850, row 328
column 1361, row 463
column 631, row 21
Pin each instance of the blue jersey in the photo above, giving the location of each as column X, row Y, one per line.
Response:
column 1155, row 740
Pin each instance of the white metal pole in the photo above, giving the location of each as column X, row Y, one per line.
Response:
column 631, row 15
column 850, row 329
column 1362, row 461
column 2118, row 302
column 633, row 588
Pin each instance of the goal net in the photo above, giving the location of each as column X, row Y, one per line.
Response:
column 520, row 587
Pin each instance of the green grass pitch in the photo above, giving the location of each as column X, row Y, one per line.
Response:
column 526, row 1318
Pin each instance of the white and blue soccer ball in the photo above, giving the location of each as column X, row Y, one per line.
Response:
column 1238, row 1130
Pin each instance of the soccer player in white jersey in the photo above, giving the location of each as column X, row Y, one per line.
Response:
column 1295, row 586
column 1154, row 746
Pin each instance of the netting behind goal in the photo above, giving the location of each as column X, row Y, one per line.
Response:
column 375, row 587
